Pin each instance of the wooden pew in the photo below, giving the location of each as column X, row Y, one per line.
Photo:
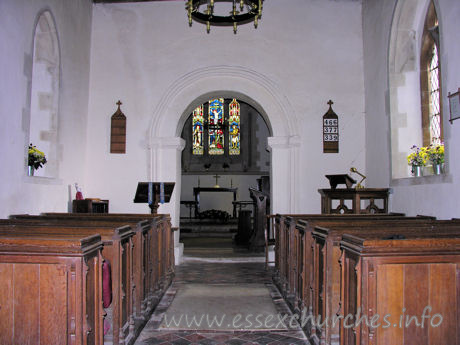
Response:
column 118, row 249
column 50, row 290
column 326, row 261
column 167, row 249
column 294, row 276
column 397, row 280
column 282, row 232
column 286, row 274
column 284, row 242
column 143, row 285
column 148, row 260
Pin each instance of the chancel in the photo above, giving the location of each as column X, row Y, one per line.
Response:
column 125, row 95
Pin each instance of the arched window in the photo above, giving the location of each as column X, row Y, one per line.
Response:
column 430, row 80
column 197, row 128
column 415, row 88
column 225, row 135
column 45, row 93
column 217, row 125
column 234, row 128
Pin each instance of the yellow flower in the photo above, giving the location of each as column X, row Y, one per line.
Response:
column 36, row 157
column 435, row 153
column 418, row 157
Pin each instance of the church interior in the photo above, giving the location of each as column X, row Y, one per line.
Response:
column 271, row 163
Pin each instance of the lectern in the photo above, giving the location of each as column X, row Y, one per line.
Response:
column 345, row 179
column 153, row 193
column 365, row 200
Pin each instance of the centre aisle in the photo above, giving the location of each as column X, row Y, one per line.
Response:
column 221, row 299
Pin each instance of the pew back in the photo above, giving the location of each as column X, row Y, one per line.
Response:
column 143, row 282
column 401, row 283
column 118, row 248
column 326, row 260
column 153, row 260
column 299, row 280
column 51, row 290
column 167, row 246
column 287, row 273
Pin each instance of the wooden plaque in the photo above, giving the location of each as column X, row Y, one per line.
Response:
column 330, row 131
column 118, row 131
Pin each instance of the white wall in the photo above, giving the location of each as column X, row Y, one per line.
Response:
column 19, row 193
column 301, row 55
column 434, row 195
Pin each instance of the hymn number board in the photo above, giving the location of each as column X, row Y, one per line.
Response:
column 330, row 131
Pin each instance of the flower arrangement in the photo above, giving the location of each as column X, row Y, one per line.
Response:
column 418, row 157
column 435, row 154
column 36, row 157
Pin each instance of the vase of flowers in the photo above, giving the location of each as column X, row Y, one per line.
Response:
column 36, row 159
column 435, row 155
column 417, row 159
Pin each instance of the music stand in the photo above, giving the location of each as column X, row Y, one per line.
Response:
column 153, row 193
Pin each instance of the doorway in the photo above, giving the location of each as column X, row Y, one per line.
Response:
column 215, row 186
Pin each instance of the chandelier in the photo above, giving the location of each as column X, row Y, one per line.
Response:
column 210, row 13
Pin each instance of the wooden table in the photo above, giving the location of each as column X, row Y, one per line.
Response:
column 90, row 206
column 198, row 190
column 369, row 195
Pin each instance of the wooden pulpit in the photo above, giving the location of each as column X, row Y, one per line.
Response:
column 154, row 193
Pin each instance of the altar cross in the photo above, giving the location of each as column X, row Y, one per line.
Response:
column 217, row 177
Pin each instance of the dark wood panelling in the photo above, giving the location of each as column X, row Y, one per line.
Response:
column 412, row 300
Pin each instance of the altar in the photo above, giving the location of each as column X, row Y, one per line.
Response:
column 198, row 190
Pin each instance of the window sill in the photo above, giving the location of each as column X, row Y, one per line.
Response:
column 42, row 180
column 415, row 181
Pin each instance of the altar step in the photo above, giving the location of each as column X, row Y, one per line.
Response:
column 206, row 235
column 207, row 228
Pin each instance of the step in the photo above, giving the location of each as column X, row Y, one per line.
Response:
column 206, row 234
column 208, row 221
column 210, row 229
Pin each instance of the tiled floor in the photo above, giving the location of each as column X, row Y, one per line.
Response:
column 196, row 272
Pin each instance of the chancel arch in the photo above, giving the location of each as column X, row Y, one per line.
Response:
column 178, row 102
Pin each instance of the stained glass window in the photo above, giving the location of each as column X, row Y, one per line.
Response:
column 197, row 130
column 208, row 134
column 216, row 132
column 433, row 84
column 234, row 128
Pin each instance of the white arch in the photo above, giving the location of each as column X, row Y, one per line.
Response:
column 261, row 92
